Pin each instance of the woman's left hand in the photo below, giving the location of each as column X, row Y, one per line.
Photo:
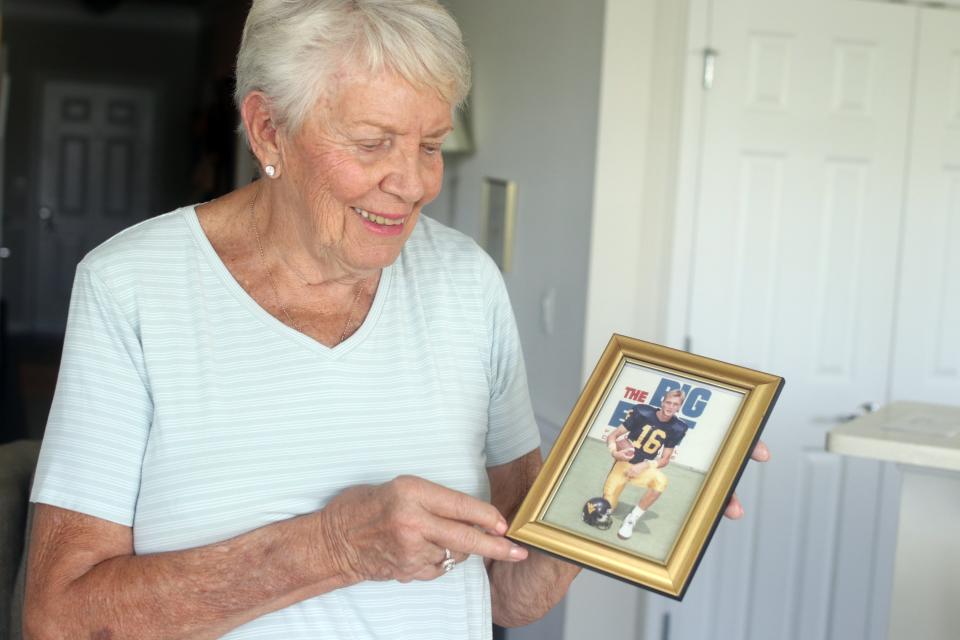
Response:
column 734, row 509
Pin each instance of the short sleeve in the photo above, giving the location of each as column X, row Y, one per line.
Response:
column 101, row 414
column 512, row 429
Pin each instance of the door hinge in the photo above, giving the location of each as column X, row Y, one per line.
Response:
column 709, row 67
column 687, row 343
column 665, row 627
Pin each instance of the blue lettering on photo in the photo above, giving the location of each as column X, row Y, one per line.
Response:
column 696, row 402
column 620, row 413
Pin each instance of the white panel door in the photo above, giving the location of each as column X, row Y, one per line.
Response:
column 928, row 325
column 794, row 260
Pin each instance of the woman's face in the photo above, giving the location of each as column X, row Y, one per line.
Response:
column 363, row 164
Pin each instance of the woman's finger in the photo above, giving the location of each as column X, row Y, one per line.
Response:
column 466, row 539
column 454, row 505
column 734, row 509
column 760, row 452
column 434, row 571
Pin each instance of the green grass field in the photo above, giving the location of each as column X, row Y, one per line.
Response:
column 654, row 534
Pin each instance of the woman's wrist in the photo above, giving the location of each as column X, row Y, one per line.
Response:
column 328, row 552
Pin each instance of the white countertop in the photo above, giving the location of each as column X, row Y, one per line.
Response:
column 926, row 435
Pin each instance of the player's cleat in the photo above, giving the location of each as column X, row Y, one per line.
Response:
column 626, row 530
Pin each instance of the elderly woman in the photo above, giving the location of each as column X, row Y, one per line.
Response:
column 300, row 410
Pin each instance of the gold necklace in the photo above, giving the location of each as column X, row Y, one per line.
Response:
column 299, row 275
column 273, row 284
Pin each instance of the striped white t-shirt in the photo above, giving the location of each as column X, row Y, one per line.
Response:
column 187, row 411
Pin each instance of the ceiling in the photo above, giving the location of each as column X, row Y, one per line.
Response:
column 118, row 12
column 107, row 5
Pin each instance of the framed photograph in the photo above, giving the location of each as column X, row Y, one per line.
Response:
column 645, row 464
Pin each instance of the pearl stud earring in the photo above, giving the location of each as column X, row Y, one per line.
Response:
column 270, row 170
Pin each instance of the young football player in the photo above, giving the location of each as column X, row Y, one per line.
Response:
column 652, row 432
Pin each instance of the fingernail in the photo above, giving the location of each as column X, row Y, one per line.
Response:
column 517, row 553
column 501, row 527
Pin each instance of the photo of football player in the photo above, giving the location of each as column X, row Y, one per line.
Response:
column 641, row 446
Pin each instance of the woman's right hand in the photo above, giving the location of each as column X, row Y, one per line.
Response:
column 399, row 530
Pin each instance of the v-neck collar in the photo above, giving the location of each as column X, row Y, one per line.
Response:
column 244, row 298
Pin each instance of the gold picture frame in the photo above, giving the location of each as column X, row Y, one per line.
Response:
column 729, row 404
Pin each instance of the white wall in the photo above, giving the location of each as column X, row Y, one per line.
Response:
column 636, row 166
column 638, row 140
column 534, row 120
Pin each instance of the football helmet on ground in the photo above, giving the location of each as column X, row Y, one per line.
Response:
column 596, row 513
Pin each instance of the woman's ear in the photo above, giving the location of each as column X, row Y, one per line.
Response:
column 262, row 132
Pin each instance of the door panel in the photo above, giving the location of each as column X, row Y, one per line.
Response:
column 797, row 231
column 928, row 325
column 94, row 181
column 820, row 500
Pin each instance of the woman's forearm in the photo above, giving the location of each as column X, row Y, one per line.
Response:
column 84, row 580
column 524, row 592
column 196, row 593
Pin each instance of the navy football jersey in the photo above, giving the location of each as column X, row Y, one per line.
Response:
column 649, row 434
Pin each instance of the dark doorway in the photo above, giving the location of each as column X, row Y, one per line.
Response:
column 116, row 110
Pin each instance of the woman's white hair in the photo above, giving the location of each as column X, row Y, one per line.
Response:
column 291, row 48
